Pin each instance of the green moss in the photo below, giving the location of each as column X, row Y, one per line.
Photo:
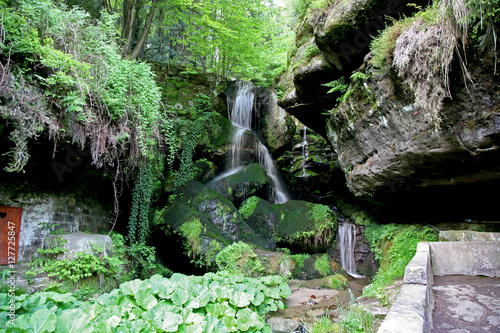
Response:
column 394, row 246
column 239, row 258
column 383, row 46
column 192, row 231
column 254, row 173
column 322, row 265
column 248, row 207
column 337, row 282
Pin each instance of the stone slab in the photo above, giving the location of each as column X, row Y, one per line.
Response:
column 466, row 258
column 283, row 325
column 419, row 270
column 410, row 312
column 469, row 236
column 82, row 242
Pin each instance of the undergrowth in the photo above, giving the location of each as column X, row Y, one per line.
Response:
column 394, row 246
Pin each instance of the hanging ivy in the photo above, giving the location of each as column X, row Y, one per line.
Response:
column 190, row 139
column 138, row 225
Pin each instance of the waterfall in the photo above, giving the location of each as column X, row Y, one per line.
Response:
column 347, row 235
column 240, row 114
column 305, row 152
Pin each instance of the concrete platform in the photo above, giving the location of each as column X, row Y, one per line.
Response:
column 466, row 304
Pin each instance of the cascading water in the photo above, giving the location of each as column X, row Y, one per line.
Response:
column 240, row 114
column 305, row 152
column 347, row 236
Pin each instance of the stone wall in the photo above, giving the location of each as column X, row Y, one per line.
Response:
column 45, row 213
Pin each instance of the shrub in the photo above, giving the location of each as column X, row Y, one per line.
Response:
column 337, row 282
column 394, row 246
column 239, row 258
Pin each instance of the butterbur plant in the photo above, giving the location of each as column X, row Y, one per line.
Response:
column 221, row 302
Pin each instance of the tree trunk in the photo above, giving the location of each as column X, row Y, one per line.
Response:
column 145, row 31
column 129, row 7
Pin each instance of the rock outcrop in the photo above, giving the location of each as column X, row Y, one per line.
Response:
column 384, row 138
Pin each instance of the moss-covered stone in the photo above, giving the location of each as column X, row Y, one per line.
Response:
column 298, row 223
column 304, row 223
column 258, row 227
column 317, row 266
column 218, row 216
column 251, row 180
column 336, row 281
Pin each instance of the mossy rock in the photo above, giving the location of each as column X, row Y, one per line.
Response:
column 179, row 213
column 204, row 170
column 317, row 266
column 336, row 281
column 251, row 180
column 258, row 227
column 304, row 225
column 308, row 225
column 217, row 214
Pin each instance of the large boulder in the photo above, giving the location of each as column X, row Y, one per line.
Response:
column 220, row 219
column 386, row 143
column 342, row 33
column 81, row 242
column 251, row 180
column 310, row 167
column 296, row 223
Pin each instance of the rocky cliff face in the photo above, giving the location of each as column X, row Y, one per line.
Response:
column 383, row 137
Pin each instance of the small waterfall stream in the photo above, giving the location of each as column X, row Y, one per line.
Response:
column 305, row 152
column 347, row 237
column 240, row 114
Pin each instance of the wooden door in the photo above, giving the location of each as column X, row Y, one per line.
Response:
column 10, row 225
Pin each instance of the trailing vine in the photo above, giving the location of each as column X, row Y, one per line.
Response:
column 138, row 225
column 190, row 138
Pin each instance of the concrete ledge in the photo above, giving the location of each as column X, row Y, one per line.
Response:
column 466, row 258
column 419, row 270
column 469, row 236
column 412, row 310
column 409, row 311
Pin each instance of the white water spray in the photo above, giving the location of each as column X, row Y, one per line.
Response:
column 347, row 236
column 305, row 152
column 240, row 114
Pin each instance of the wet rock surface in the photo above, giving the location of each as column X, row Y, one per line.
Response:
column 466, row 304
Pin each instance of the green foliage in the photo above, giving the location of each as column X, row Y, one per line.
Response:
column 311, row 51
column 325, row 225
column 239, row 258
column 484, row 18
column 192, row 133
column 213, row 303
column 383, row 45
column 394, row 246
column 336, row 282
column 143, row 263
column 322, row 265
column 138, row 224
column 68, row 273
column 299, row 259
column 73, row 82
column 356, row 320
column 192, row 231
column 248, row 207
column 325, row 325
column 338, row 85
